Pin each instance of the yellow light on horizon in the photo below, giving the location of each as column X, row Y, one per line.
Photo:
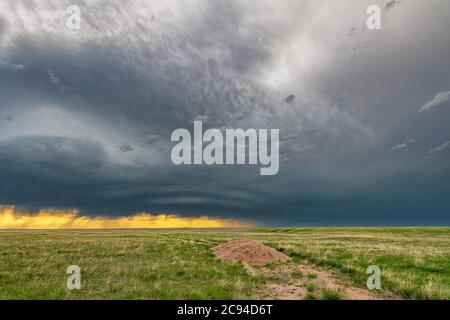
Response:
column 10, row 218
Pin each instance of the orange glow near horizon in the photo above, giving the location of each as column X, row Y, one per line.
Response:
column 10, row 218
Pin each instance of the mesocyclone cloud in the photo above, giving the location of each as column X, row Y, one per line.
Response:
column 86, row 115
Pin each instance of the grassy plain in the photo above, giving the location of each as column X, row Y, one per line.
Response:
column 179, row 264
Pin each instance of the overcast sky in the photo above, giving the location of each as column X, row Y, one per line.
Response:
column 86, row 115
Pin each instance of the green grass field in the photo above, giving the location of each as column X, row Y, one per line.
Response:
column 179, row 264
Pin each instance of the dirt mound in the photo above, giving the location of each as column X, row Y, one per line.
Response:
column 250, row 251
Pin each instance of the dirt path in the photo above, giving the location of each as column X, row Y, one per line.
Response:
column 289, row 280
column 293, row 281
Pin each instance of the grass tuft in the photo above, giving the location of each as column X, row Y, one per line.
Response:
column 332, row 294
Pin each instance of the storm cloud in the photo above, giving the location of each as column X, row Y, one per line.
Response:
column 86, row 115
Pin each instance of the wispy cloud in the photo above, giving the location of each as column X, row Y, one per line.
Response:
column 439, row 148
column 439, row 99
column 57, row 81
column 391, row 4
column 6, row 64
column 402, row 145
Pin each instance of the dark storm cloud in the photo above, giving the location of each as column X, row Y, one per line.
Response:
column 8, row 117
column 92, row 110
column 391, row 4
column 71, row 173
column 126, row 148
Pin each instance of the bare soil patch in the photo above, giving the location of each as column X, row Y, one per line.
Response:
column 303, row 281
column 249, row 251
column 291, row 281
column 298, row 281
